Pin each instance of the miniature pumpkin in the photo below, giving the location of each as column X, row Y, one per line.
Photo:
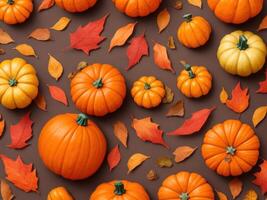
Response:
column 75, row 6
column 72, row 146
column 98, row 89
column 19, row 83
column 137, row 8
column 235, row 12
column 15, row 11
column 120, row 190
column 59, row 193
column 242, row 53
column 194, row 31
column 194, row 81
column 231, row 148
column 148, row 92
column 185, row 186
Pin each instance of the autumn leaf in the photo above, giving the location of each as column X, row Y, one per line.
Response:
column 161, row 58
column 21, row 132
column 221, row 195
column 6, row 192
column 55, row 68
column 251, row 195
column 258, row 115
column 2, row 51
column 114, row 157
column 177, row 110
column 171, row 43
column 235, row 187
column 26, row 50
column 164, row 161
column 41, row 34
column 240, row 99
column 137, row 49
column 146, row 130
column 261, row 177
column 20, row 174
column 263, row 85
column 58, row 94
column 151, row 175
column 135, row 160
column 122, row 35
column 5, row 38
column 263, row 24
column 40, row 101
column 183, row 152
column 61, row 24
column 163, row 19
column 2, row 125
column 121, row 132
column 197, row 3
column 178, row 4
column 169, row 95
column 87, row 38
column 194, row 124
column 46, row 4
column 223, row 96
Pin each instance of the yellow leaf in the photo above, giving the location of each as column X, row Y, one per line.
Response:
column 163, row 19
column 171, row 42
column 263, row 24
column 223, row 96
column 55, row 68
column 251, row 195
column 61, row 24
column 197, row 3
column 5, row 38
column 25, row 50
column 136, row 160
column 221, row 196
column 6, row 192
column 259, row 115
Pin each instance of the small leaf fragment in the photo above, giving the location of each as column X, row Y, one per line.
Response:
column 135, row 160
column 235, row 186
column 177, row 110
column 46, row 4
column 58, row 94
column 197, row 3
column 121, row 132
column 258, row 115
column 163, row 19
column 152, row 175
column 263, row 85
column 61, row 24
column 6, row 191
column 40, row 102
column 26, row 50
column 2, row 51
column 251, row 195
column 114, row 157
column 221, row 195
column 164, row 161
column 5, row 38
column 178, row 4
column 169, row 95
column 223, row 96
column 82, row 65
column 263, row 24
column 41, row 34
column 171, row 43
column 55, row 68
column 261, row 177
column 183, row 152
column 2, row 125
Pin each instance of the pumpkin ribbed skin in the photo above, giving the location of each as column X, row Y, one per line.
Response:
column 98, row 89
column 148, row 92
column 242, row 53
column 75, row 6
column 137, row 8
column 19, row 83
column 120, row 190
column 231, row 148
column 185, row 185
column 15, row 11
column 72, row 150
column 235, row 11
column 59, row 193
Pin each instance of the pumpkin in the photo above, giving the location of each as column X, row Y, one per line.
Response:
column 98, row 89
column 185, row 186
column 242, row 53
column 72, row 146
column 59, row 193
column 148, row 92
column 194, row 31
column 75, row 6
column 137, row 8
column 194, row 81
column 19, row 83
column 15, row 11
column 231, row 148
column 124, row 190
column 236, row 12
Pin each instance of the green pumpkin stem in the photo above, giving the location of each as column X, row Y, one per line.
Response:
column 188, row 68
column 98, row 83
column 119, row 189
column 147, row 86
column 230, row 150
column 12, row 82
column 82, row 119
column 184, row 196
column 243, row 43
column 188, row 17
column 10, row 2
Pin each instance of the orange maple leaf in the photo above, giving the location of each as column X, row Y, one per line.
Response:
column 261, row 177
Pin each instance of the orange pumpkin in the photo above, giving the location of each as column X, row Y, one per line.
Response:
column 75, row 6
column 59, row 193
column 137, row 8
column 194, row 81
column 148, row 92
column 185, row 186
column 98, row 89
column 72, row 146
column 124, row 190
column 236, row 12
column 15, row 11
column 194, row 31
column 231, row 148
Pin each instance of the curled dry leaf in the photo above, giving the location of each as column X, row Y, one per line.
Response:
column 114, row 157
column 164, row 161
column 5, row 38
column 235, row 187
column 26, row 50
column 41, row 34
column 169, row 95
column 171, row 43
column 6, row 191
column 161, row 58
column 263, row 24
column 40, row 102
column 121, row 132
column 251, row 195
column 55, row 68
column 183, row 152
column 177, row 110
column 263, row 85
column 258, row 115
column 197, row 3
column 223, row 96
column 135, row 160
column 178, row 4
column 261, row 177
column 221, row 195
column 163, row 19
column 152, row 175
column 2, row 125
column 46, row 4
column 58, row 94
column 61, row 24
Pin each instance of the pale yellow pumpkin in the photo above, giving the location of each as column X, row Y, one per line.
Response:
column 242, row 53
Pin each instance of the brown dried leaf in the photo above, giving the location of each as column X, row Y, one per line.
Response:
column 258, row 115
column 152, row 175
column 6, row 191
column 5, row 38
column 82, row 65
column 163, row 19
column 197, row 3
column 169, row 96
column 235, row 186
column 178, row 4
column 177, row 110
column 263, row 24
column 61, row 24
column 171, row 43
column 221, row 195
column 183, row 152
column 135, row 160
column 40, row 102
column 223, row 96
column 55, row 68
column 121, row 132
column 164, row 161
column 251, row 195
column 26, row 50
column 41, row 34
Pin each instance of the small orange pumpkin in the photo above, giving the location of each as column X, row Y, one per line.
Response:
column 185, row 186
column 75, row 6
column 98, row 89
column 194, row 81
column 59, row 193
column 137, row 8
column 72, row 146
column 15, row 11
column 231, row 148
column 120, row 190
column 148, row 92
column 194, row 32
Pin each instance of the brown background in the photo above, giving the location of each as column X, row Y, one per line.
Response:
column 202, row 56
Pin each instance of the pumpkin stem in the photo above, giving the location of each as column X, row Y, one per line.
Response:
column 147, row 86
column 189, row 69
column 10, row 2
column 119, row 188
column 82, row 119
column 184, row 196
column 243, row 43
column 12, row 82
column 188, row 17
column 98, row 83
column 230, row 150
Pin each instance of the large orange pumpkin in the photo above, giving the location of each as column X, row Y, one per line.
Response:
column 75, row 6
column 98, row 89
column 59, row 193
column 185, row 186
column 137, row 8
column 231, row 148
column 15, row 11
column 72, row 146
column 235, row 11
column 123, row 190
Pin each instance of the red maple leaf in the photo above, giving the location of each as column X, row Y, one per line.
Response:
column 87, row 38
column 261, row 177
column 114, row 157
column 263, row 85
